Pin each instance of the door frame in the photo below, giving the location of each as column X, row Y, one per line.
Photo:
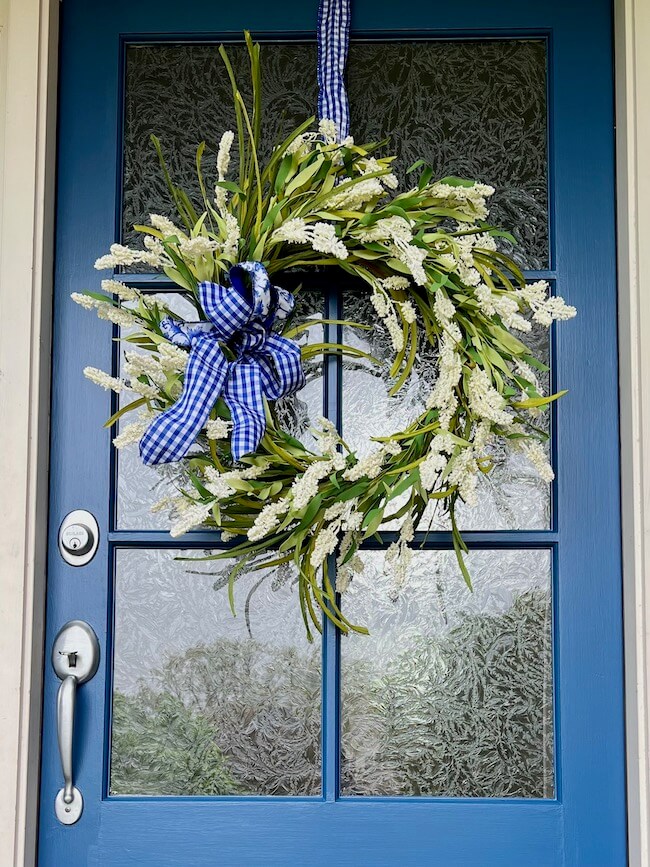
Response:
column 28, row 79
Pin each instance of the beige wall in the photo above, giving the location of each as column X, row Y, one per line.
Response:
column 28, row 38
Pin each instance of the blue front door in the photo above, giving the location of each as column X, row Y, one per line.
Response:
column 468, row 730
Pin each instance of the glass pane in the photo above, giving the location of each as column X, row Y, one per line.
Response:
column 471, row 108
column 511, row 497
column 204, row 703
column 139, row 486
column 452, row 692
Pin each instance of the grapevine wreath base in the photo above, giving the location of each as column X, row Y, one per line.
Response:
column 204, row 389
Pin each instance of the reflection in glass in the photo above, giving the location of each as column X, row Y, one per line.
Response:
column 471, row 108
column 452, row 693
column 139, row 486
column 204, row 703
column 511, row 497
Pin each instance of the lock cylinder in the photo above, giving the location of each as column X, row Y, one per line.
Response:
column 78, row 537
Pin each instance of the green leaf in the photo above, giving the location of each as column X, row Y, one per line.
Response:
column 232, row 577
column 269, row 219
column 283, row 173
column 534, row 362
column 178, row 278
column 173, row 190
column 354, row 491
column 198, row 484
column 425, row 177
column 238, row 113
column 398, row 212
column 453, row 181
column 292, row 441
column 372, row 521
column 416, row 165
column 539, row 401
column 295, row 540
column 133, row 405
column 310, row 512
column 199, row 156
column 304, row 176
column 231, row 186
column 99, row 296
column 460, row 547
column 280, row 151
column 508, row 341
column 407, row 482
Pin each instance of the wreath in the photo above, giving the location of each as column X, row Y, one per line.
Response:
column 204, row 389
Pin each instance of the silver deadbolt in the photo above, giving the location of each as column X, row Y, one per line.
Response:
column 75, row 657
column 78, row 537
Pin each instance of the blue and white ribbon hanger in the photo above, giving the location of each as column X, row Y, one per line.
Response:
column 333, row 40
column 266, row 365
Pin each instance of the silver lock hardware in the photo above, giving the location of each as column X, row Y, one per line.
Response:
column 78, row 537
column 75, row 658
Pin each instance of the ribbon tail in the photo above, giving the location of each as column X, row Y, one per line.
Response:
column 171, row 434
column 281, row 367
column 243, row 395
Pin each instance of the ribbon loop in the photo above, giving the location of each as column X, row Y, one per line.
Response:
column 333, row 39
column 266, row 365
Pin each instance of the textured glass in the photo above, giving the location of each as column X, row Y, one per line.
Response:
column 511, row 497
column 471, row 108
column 139, row 486
column 452, row 692
column 204, row 703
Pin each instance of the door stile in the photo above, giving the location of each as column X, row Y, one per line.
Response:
column 331, row 711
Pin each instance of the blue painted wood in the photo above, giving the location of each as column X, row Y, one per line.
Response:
column 475, row 538
column 585, row 824
column 331, row 639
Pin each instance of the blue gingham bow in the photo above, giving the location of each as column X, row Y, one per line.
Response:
column 266, row 365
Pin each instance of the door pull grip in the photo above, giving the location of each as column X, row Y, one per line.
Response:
column 75, row 657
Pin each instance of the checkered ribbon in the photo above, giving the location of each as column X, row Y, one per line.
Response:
column 266, row 365
column 333, row 39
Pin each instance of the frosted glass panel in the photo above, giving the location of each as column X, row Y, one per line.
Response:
column 511, row 497
column 139, row 486
column 471, row 108
column 452, row 693
column 204, row 703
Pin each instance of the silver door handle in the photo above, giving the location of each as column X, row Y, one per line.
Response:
column 65, row 705
column 75, row 657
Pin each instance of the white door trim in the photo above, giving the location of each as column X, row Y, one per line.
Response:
column 633, row 205
column 28, row 54
column 28, row 75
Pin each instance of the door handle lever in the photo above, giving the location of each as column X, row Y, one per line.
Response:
column 75, row 657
